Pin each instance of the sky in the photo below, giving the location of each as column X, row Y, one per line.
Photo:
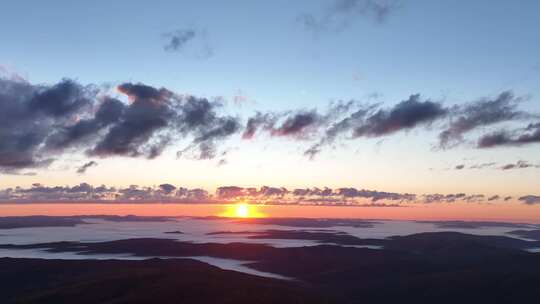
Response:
column 397, row 97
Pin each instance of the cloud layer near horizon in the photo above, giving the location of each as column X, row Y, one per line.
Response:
column 168, row 193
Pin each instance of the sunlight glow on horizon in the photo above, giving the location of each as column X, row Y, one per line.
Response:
column 242, row 210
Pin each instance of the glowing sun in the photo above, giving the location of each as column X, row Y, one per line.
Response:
column 242, row 210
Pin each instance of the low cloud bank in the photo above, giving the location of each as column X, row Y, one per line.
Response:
column 168, row 193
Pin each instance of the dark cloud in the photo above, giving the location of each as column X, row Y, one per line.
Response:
column 167, row 188
column 405, row 115
column 28, row 113
column 443, row 198
column 480, row 113
column 137, row 131
column 299, row 124
column 340, row 126
column 82, row 169
column 178, row 39
column 157, row 116
column 474, row 198
column 526, row 136
column 375, row 195
column 494, row 198
column 230, row 192
column 199, row 117
column 482, row 165
column 521, row 164
column 460, row 167
column 109, row 112
column 40, row 122
column 369, row 121
column 257, row 121
column 530, row 199
column 342, row 13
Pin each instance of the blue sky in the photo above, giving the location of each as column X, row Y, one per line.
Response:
column 451, row 52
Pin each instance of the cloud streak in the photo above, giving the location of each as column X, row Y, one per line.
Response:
column 82, row 169
column 526, row 136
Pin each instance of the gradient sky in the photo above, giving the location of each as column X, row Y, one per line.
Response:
column 261, row 56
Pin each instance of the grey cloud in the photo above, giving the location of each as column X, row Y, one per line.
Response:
column 482, row 165
column 494, row 198
column 343, row 125
column 405, row 115
column 39, row 122
column 82, row 169
column 526, row 136
column 480, row 113
column 298, row 125
column 369, row 121
column 109, row 112
column 178, row 39
column 133, row 135
column 474, row 198
column 459, row 167
column 257, row 121
column 521, row 164
column 189, row 41
column 28, row 113
column 530, row 199
column 199, row 117
column 157, row 116
column 167, row 188
column 342, row 13
column 230, row 192
column 442, row 198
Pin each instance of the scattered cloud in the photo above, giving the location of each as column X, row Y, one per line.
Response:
column 299, row 124
column 480, row 113
column 176, row 40
column 405, row 115
column 530, row 199
column 494, row 198
column 526, row 136
column 190, row 41
column 340, row 14
column 42, row 122
column 370, row 121
column 521, row 164
column 82, row 169
column 482, row 165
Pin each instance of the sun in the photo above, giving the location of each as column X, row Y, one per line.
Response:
column 241, row 210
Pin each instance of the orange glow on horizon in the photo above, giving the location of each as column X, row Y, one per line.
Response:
column 459, row 211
